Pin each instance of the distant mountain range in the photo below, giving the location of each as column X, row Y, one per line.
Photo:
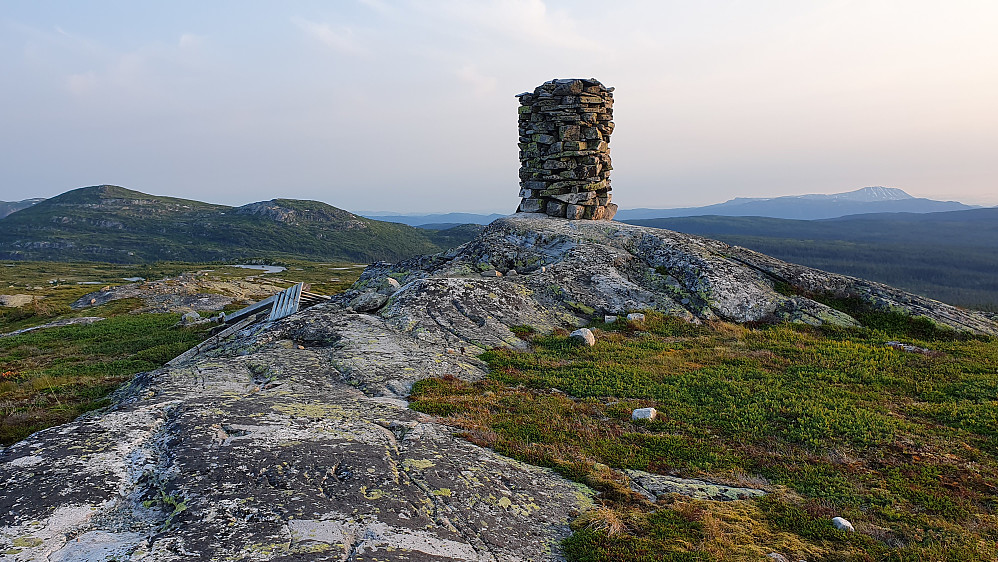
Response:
column 444, row 220
column 114, row 224
column 950, row 256
column 808, row 207
column 8, row 207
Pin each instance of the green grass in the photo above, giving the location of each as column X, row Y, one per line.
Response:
column 50, row 376
column 833, row 421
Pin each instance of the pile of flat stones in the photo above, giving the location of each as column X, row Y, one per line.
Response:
column 565, row 128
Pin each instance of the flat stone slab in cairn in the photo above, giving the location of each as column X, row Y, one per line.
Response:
column 565, row 128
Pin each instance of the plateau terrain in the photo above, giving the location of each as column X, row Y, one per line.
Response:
column 439, row 409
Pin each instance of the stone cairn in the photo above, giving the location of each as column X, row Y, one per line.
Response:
column 565, row 128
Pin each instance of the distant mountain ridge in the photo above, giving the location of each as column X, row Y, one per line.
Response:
column 115, row 224
column 8, row 207
column 865, row 194
column 437, row 219
column 875, row 199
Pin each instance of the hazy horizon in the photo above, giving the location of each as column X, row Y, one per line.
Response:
column 391, row 212
column 408, row 106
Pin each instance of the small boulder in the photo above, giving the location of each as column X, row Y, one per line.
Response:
column 583, row 336
column 777, row 557
column 190, row 318
column 491, row 273
column 635, row 317
column 368, row 302
column 644, row 414
column 609, row 319
column 843, row 524
column 511, row 272
column 389, row 286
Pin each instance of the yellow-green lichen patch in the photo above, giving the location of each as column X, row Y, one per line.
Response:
column 314, row 410
column 267, row 549
column 442, row 492
column 418, row 464
column 311, row 548
column 26, row 542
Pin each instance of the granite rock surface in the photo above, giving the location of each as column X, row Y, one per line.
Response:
column 292, row 440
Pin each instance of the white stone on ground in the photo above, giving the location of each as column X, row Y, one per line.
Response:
column 644, row 414
column 609, row 319
column 843, row 524
column 635, row 317
column 583, row 335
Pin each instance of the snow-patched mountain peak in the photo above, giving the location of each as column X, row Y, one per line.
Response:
column 874, row 193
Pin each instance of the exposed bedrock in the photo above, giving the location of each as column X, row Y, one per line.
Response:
column 292, row 440
column 582, row 269
column 265, row 449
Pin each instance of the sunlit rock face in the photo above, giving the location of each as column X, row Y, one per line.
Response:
column 565, row 128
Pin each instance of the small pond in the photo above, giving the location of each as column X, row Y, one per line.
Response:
column 263, row 268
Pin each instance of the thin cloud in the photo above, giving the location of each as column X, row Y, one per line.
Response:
column 528, row 21
column 189, row 41
column 341, row 39
column 81, row 84
column 480, row 83
column 377, row 6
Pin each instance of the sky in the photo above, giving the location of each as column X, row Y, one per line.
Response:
column 408, row 106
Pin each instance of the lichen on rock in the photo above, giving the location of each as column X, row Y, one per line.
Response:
column 292, row 440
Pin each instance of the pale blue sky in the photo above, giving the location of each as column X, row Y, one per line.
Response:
column 408, row 106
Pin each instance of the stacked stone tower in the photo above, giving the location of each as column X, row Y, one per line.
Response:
column 565, row 128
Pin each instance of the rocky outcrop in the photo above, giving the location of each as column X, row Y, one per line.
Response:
column 292, row 440
column 581, row 270
column 654, row 486
column 189, row 291
column 76, row 321
column 265, row 449
column 296, row 212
